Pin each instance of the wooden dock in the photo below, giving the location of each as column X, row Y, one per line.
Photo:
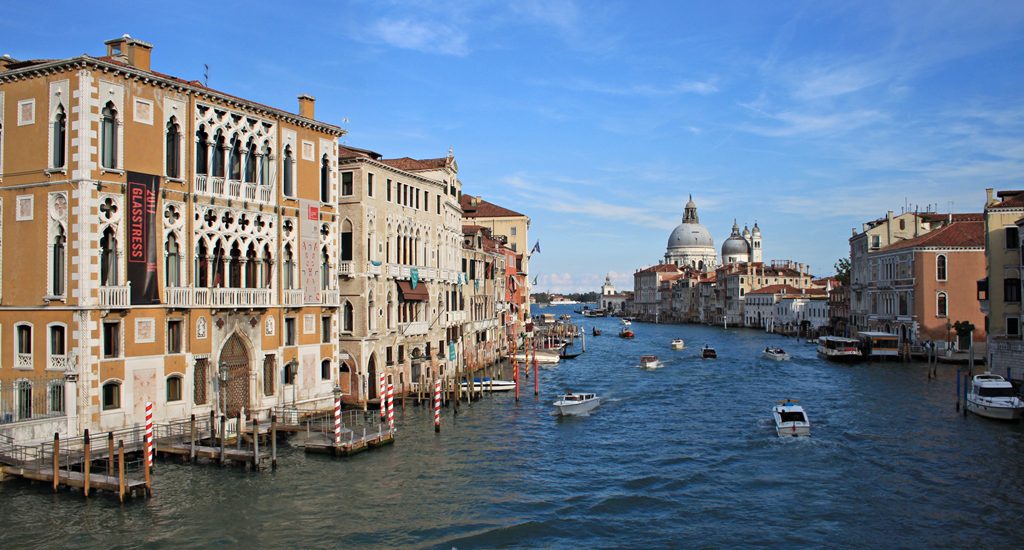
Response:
column 75, row 479
column 323, row 443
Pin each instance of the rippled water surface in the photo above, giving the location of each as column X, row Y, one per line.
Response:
column 682, row 456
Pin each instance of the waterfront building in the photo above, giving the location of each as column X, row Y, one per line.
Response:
column 647, row 290
column 999, row 293
column 510, row 227
column 401, row 257
column 916, row 274
column 611, row 301
column 162, row 242
column 803, row 314
column 483, row 334
column 735, row 280
column 759, row 311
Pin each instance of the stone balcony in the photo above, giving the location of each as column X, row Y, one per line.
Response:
column 345, row 269
column 178, row 296
column 416, row 328
column 330, row 297
column 23, row 361
column 453, row 317
column 241, row 297
column 292, row 298
column 234, row 189
column 115, row 296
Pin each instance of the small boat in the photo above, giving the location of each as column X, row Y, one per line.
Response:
column 708, row 352
column 566, row 355
column 626, row 333
column 543, row 358
column 776, row 354
column 992, row 396
column 626, row 322
column 488, row 384
column 790, row 419
column 597, row 331
column 565, row 317
column 650, row 362
column 572, row 404
column 837, row 348
column 678, row 344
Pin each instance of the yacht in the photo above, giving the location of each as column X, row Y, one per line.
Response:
column 992, row 396
column 776, row 354
column 573, row 404
column 790, row 419
column 678, row 344
column 837, row 348
column 650, row 362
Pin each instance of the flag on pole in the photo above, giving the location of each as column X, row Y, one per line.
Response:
column 535, row 280
column 536, row 247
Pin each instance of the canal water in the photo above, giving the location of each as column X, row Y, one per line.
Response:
column 678, row 457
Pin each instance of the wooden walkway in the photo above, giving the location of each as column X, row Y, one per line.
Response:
column 102, row 482
column 323, row 443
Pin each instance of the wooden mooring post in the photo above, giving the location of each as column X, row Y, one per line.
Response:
column 192, row 440
column 223, row 425
column 238, row 431
column 87, row 465
column 120, row 469
column 255, row 444
column 56, row 461
column 213, row 426
column 110, row 454
column 273, row 442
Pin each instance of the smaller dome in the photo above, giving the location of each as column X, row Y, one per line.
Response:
column 757, row 230
column 735, row 245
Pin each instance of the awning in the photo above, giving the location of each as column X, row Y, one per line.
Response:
column 410, row 294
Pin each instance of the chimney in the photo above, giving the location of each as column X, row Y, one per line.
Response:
column 988, row 196
column 128, row 50
column 888, row 228
column 306, row 105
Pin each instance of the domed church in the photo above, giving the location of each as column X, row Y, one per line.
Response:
column 690, row 244
column 742, row 247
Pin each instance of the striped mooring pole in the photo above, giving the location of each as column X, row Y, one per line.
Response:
column 437, row 405
column 149, row 433
column 391, row 407
column 383, row 390
column 337, row 421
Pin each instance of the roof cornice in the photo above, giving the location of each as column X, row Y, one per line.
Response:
column 83, row 61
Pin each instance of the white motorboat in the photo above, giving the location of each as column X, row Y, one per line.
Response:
column 574, row 404
column 488, row 384
column 626, row 322
column 992, row 396
column 678, row 344
column 543, row 358
column 837, row 348
column 790, row 419
column 776, row 354
column 650, row 362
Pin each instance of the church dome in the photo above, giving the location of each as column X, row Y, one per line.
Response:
column 735, row 245
column 690, row 235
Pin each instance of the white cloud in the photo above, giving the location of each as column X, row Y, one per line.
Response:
column 422, row 36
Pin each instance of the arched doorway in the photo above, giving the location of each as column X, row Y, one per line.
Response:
column 235, row 355
column 371, row 368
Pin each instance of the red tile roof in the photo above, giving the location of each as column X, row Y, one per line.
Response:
column 955, row 235
column 660, row 268
column 476, row 207
column 411, row 165
column 1010, row 199
column 347, row 152
column 776, row 289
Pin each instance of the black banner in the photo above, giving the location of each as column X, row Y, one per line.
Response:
column 142, row 232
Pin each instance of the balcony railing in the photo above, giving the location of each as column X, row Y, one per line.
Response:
column 177, row 296
column 394, row 270
column 413, row 329
column 23, row 360
column 292, row 298
column 241, row 297
column 373, row 269
column 58, row 362
column 453, row 317
column 234, row 189
column 115, row 296
column 345, row 268
column 331, row 297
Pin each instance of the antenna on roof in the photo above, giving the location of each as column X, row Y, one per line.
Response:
column 206, row 75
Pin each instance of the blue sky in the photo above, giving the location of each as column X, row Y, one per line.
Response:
column 598, row 119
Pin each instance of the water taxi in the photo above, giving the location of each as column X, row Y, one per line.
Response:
column 650, row 362
column 625, row 322
column 678, row 344
column 573, row 404
column 837, row 348
column 775, row 354
column 790, row 419
column 992, row 396
column 708, row 352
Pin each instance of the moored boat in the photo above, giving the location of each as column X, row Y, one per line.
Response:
column 573, row 404
column 775, row 354
column 708, row 352
column 488, row 384
column 678, row 344
column 790, row 419
column 992, row 396
column 837, row 348
column 543, row 358
column 650, row 362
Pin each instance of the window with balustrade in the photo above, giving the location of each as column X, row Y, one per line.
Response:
column 202, row 151
column 57, row 346
column 250, row 162
column 23, row 346
column 219, row 146
column 172, row 261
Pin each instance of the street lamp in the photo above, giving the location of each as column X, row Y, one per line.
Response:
column 337, row 392
column 223, row 386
